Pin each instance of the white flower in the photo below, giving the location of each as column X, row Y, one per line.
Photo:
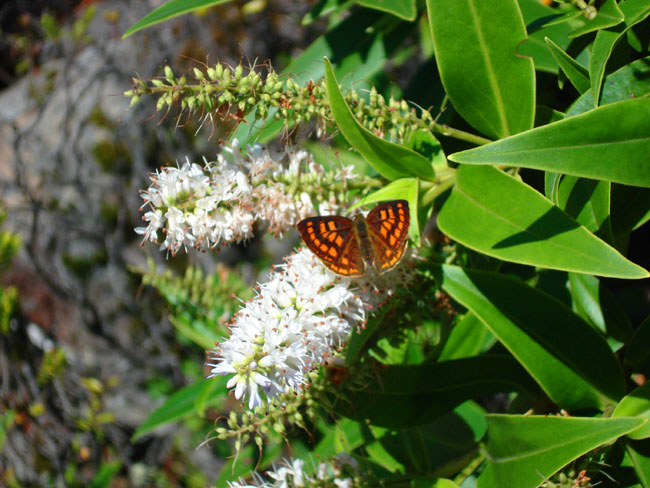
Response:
column 294, row 474
column 300, row 318
column 216, row 203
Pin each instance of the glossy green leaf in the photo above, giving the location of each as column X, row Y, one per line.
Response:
column 587, row 201
column 608, row 143
column 405, row 189
column 420, row 394
column 325, row 7
column 525, row 450
column 404, row 9
column 358, row 341
column 427, row 448
column 639, row 453
column 541, row 333
column 609, row 14
column 598, row 306
column 345, row 436
column 476, row 44
column 424, row 143
column 634, row 12
column 168, row 10
column 513, row 222
column 574, row 71
column 537, row 17
column 393, row 161
column 637, row 354
column 628, row 82
column 191, row 399
column 636, row 404
column 630, row 208
column 468, row 338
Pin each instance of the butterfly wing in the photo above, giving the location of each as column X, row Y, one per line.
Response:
column 389, row 224
column 332, row 239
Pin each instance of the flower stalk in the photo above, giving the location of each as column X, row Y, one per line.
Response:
column 227, row 93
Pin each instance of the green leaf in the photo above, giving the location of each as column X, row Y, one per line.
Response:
column 427, row 448
column 636, row 404
column 587, row 201
column 500, row 216
column 608, row 143
column 195, row 330
column 628, row 82
column 344, row 436
column 541, row 333
column 597, row 305
column 404, row 9
column 407, row 396
column 189, row 399
column 609, row 14
column 391, row 160
column 105, row 475
column 476, row 44
column 468, row 338
column 637, row 354
column 574, row 71
column 525, row 450
column 630, row 208
column 537, row 17
column 634, row 12
column 405, row 189
column 325, row 7
column 167, row 10
column 639, row 453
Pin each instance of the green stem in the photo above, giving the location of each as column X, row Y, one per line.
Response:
column 470, row 468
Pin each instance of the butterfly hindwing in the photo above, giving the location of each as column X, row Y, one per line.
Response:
column 389, row 223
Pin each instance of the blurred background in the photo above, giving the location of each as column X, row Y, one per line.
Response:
column 86, row 350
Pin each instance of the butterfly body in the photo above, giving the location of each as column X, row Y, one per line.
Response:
column 351, row 247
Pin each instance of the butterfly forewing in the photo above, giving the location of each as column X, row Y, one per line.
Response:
column 389, row 224
column 331, row 239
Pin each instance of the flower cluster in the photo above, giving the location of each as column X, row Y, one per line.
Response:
column 300, row 318
column 203, row 206
column 293, row 473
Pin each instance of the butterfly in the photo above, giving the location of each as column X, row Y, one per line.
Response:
column 350, row 247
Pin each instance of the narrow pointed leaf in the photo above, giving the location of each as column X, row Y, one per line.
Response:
column 637, row 355
column 424, row 392
column 608, row 143
column 587, row 201
column 609, row 14
column 188, row 400
column 634, row 12
column 538, row 18
column 523, row 451
column 497, row 215
column 630, row 81
column 391, row 160
column 168, row 10
column 574, row 71
column 639, row 453
column 598, row 306
column 541, row 333
column 404, row 9
column 476, row 45
column 636, row 404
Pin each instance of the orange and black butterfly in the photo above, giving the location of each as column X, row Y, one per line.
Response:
column 350, row 247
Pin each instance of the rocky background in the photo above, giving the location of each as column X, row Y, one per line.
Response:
column 90, row 354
